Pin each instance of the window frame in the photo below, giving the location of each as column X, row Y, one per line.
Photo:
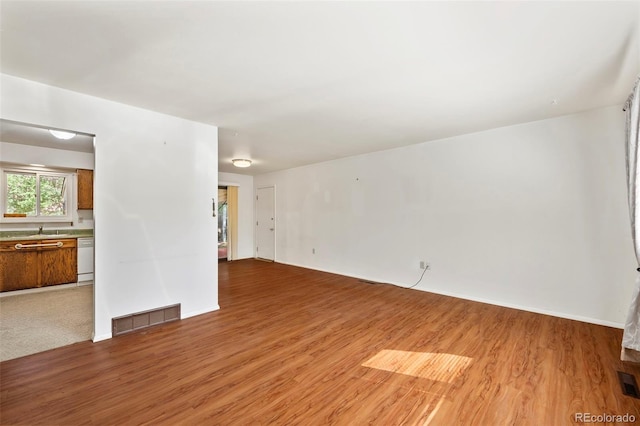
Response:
column 37, row 171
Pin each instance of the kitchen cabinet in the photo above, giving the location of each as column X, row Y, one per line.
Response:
column 59, row 265
column 18, row 269
column 85, row 189
column 37, row 263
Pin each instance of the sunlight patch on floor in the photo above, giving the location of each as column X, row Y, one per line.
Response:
column 439, row 367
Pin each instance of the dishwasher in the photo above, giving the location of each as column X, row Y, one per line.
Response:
column 85, row 260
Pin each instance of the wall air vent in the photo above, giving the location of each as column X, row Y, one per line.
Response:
column 132, row 322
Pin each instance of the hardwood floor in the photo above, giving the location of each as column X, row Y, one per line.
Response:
column 294, row 346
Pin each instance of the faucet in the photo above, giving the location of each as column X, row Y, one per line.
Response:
column 40, row 229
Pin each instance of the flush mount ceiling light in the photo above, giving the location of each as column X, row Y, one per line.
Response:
column 241, row 162
column 61, row 134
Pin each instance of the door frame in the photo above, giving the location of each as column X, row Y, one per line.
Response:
column 229, row 244
column 275, row 220
column 237, row 185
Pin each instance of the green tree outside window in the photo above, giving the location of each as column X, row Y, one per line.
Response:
column 36, row 194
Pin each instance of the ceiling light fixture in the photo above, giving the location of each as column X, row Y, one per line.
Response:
column 61, row 134
column 241, row 162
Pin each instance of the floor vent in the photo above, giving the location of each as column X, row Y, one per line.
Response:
column 629, row 385
column 132, row 322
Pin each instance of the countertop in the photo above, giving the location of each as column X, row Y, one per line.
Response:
column 30, row 235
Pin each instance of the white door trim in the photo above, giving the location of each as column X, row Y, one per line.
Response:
column 275, row 220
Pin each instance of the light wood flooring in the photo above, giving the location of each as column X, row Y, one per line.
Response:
column 292, row 346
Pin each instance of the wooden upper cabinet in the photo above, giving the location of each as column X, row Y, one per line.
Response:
column 85, row 189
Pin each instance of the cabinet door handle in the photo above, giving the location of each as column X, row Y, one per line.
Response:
column 23, row 246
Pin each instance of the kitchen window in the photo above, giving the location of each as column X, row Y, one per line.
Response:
column 35, row 195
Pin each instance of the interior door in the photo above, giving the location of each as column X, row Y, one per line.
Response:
column 266, row 224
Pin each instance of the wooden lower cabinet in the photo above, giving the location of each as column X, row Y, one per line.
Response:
column 59, row 265
column 33, row 267
column 18, row 269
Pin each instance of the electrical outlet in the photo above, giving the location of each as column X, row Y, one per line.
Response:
column 424, row 264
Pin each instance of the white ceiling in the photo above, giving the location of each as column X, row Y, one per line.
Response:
column 293, row 83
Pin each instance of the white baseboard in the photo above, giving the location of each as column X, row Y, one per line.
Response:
column 195, row 313
column 101, row 337
column 527, row 309
column 183, row 316
column 481, row 300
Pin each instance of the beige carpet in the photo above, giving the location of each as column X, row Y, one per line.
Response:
column 31, row 323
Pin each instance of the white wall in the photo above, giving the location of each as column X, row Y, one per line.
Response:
column 245, row 211
column 27, row 154
column 155, row 176
column 531, row 216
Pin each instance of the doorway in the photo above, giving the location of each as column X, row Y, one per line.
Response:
column 227, row 223
column 41, row 313
column 223, row 225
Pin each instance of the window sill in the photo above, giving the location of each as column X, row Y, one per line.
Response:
column 67, row 219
